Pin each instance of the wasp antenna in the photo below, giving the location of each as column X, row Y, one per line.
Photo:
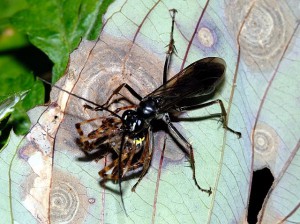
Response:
column 79, row 97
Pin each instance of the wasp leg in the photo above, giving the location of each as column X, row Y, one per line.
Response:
column 125, row 108
column 117, row 91
column 171, row 48
column 223, row 114
column 188, row 146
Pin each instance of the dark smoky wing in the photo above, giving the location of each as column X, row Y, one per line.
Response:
column 198, row 79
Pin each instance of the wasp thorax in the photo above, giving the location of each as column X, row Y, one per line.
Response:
column 132, row 121
column 147, row 108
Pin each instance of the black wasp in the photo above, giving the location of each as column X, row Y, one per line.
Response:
column 132, row 131
column 134, row 125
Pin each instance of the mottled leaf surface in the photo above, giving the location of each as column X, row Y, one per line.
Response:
column 8, row 203
column 259, row 42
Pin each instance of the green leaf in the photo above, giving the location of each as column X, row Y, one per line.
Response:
column 94, row 33
column 7, row 155
column 9, row 7
column 7, row 106
column 255, row 96
column 56, row 27
column 15, row 78
column 9, row 37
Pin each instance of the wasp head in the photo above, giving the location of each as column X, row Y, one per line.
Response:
column 132, row 121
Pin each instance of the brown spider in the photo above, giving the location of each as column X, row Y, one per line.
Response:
column 136, row 151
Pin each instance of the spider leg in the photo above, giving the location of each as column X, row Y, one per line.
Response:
column 107, row 129
column 144, row 162
column 82, row 141
column 113, row 165
column 140, row 162
column 78, row 125
column 137, row 145
column 131, row 154
column 145, row 159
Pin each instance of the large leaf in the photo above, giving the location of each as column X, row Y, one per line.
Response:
column 56, row 27
column 9, row 38
column 259, row 43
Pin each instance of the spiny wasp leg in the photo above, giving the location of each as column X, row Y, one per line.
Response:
column 117, row 91
column 171, row 48
column 188, row 146
column 171, row 45
column 86, row 106
column 125, row 108
column 223, row 114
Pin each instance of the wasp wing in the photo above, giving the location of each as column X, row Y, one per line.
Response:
column 198, row 79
